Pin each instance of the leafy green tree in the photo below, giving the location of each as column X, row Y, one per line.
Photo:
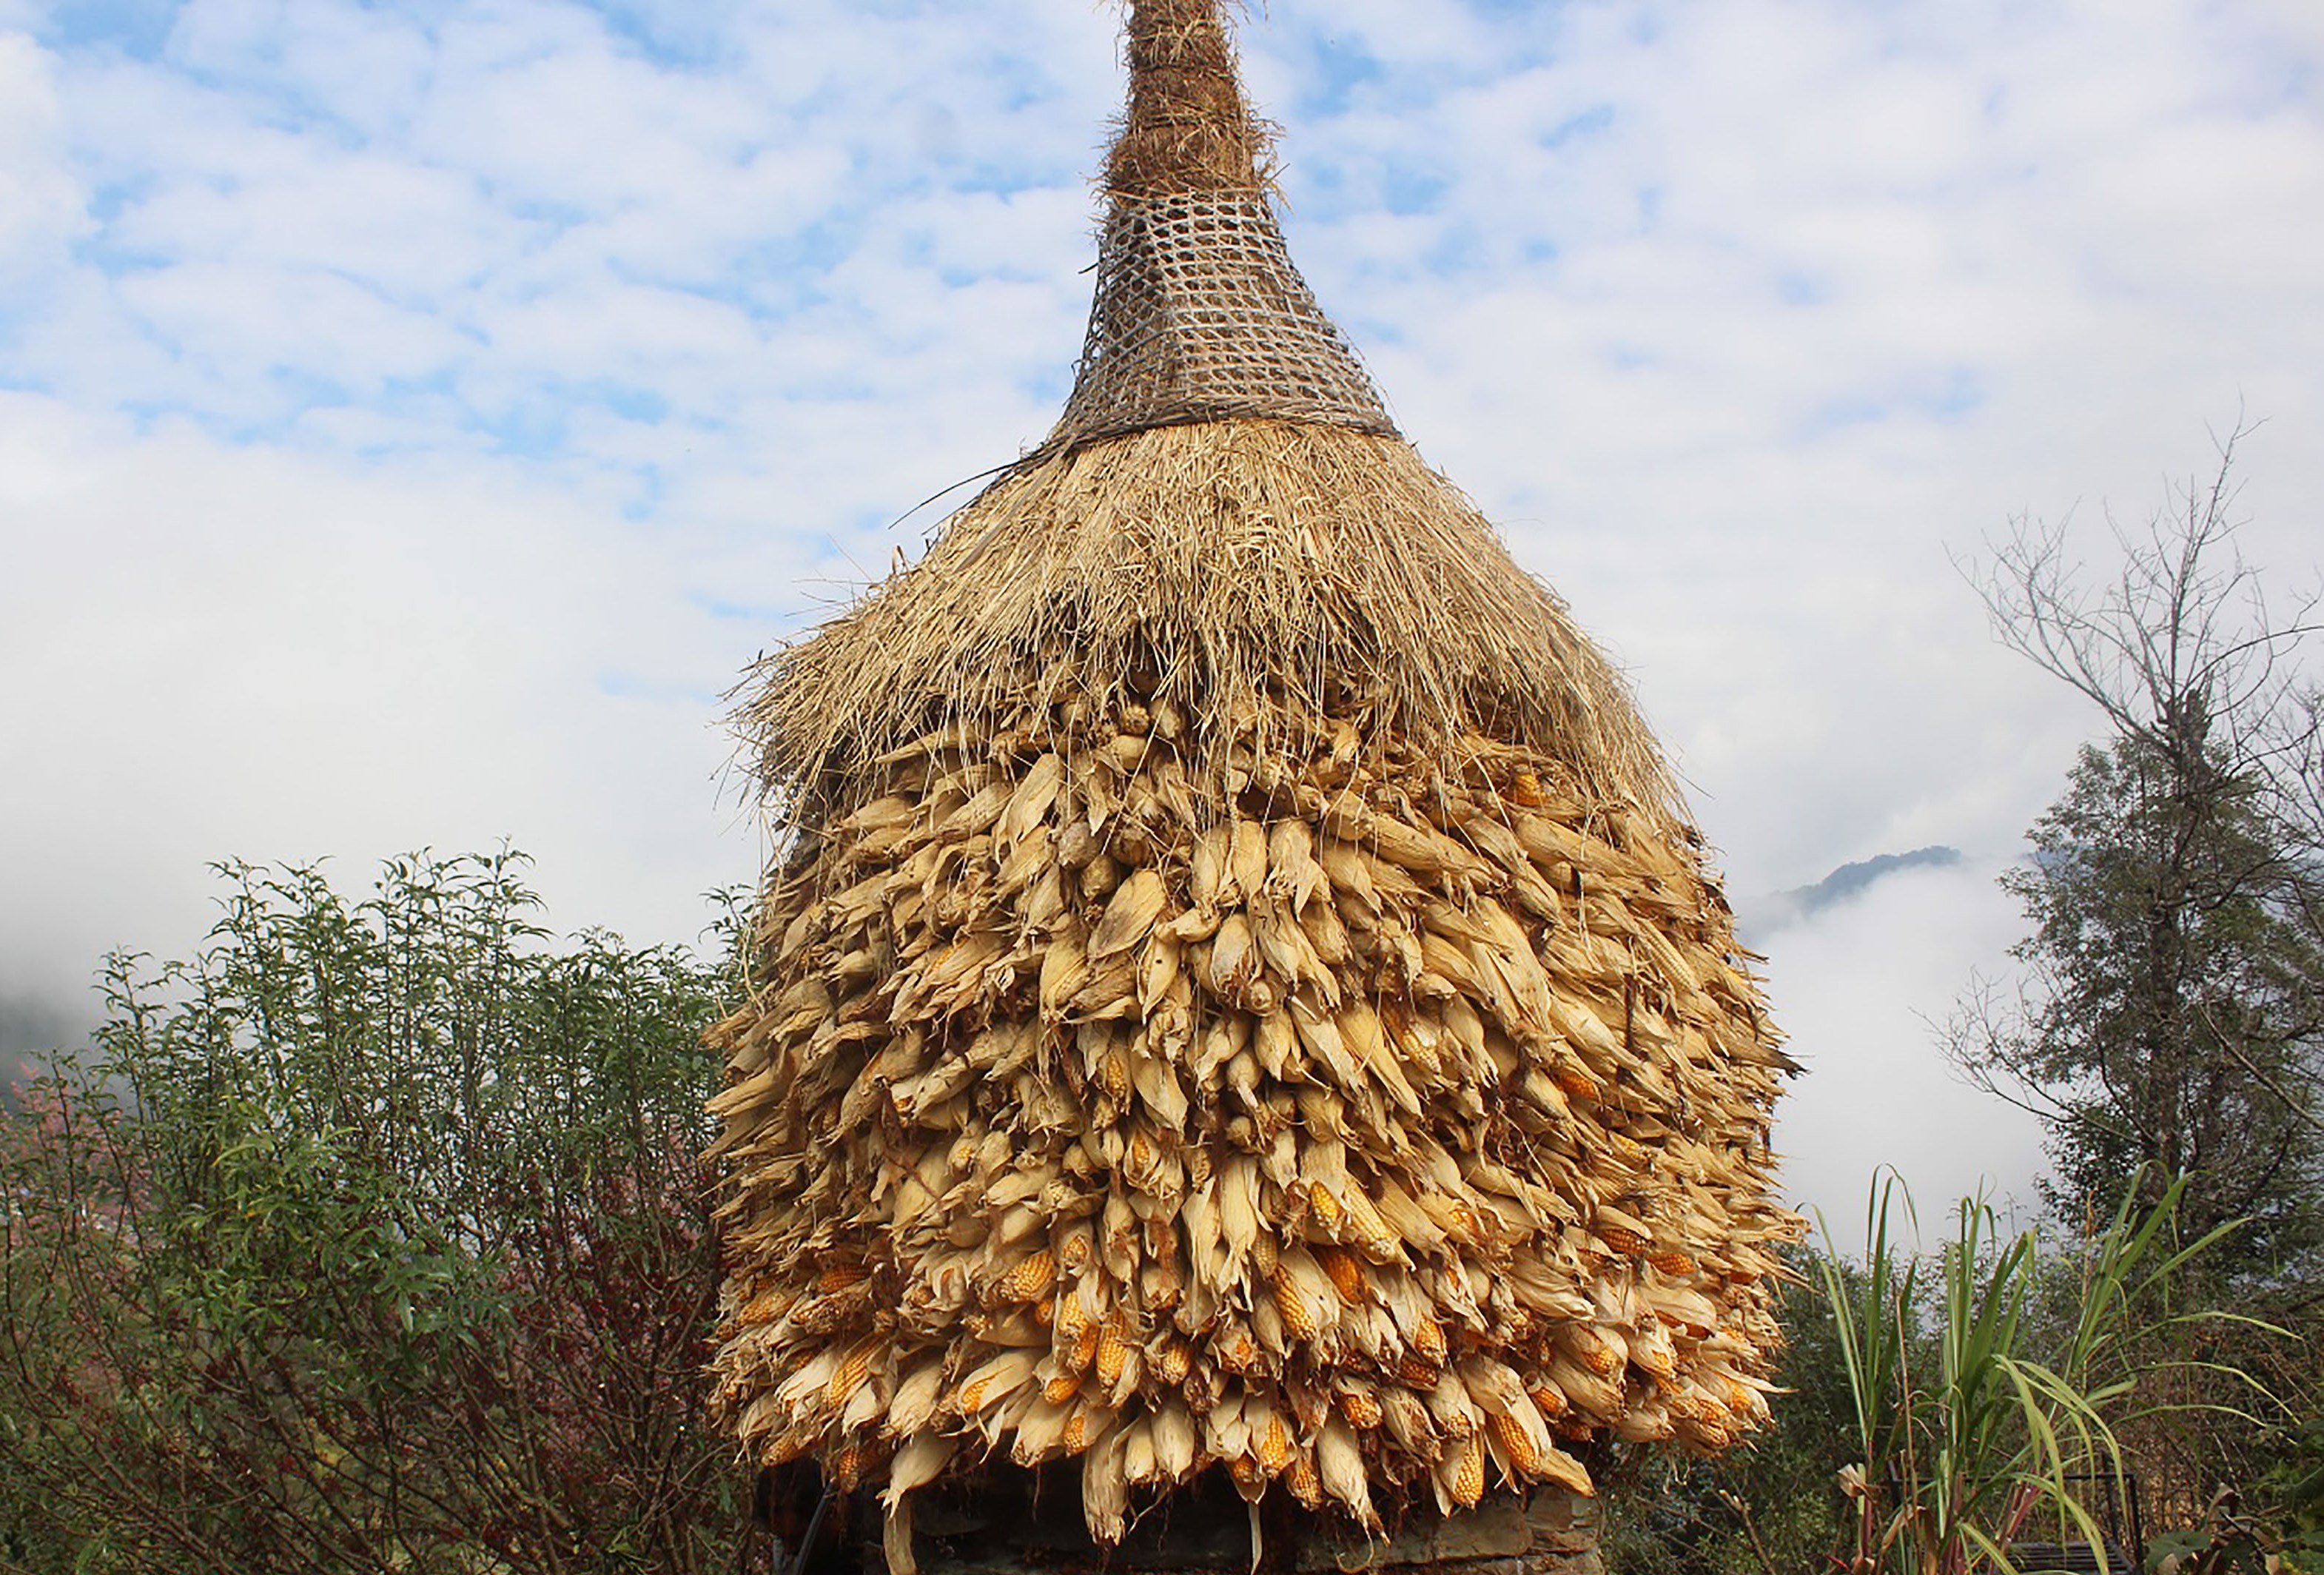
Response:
column 2170, row 1027
column 2175, row 1029
column 372, row 1238
column 2171, row 1022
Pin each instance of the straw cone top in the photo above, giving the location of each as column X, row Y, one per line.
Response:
column 1238, row 996
column 1225, row 505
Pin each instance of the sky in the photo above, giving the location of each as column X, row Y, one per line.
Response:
column 413, row 417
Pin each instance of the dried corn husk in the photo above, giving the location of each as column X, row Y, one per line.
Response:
column 1154, row 1199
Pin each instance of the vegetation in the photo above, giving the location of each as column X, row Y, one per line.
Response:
column 2170, row 1035
column 372, row 1238
column 1977, row 1407
column 1942, row 1408
column 2173, row 1022
column 2171, row 1027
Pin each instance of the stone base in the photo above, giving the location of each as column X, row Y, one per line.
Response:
column 1546, row 1532
column 1019, row 1522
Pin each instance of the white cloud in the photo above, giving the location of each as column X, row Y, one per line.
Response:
column 40, row 207
column 296, row 658
column 423, row 414
column 1862, row 987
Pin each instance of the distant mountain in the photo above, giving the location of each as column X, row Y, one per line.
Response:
column 28, row 1024
column 31, row 1032
column 1761, row 916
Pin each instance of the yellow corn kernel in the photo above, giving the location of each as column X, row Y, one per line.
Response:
column 1515, row 1443
column 1112, row 1354
column 1084, row 1351
column 1030, row 1280
column 1414, row 1373
column 1274, row 1446
column 1469, row 1475
column 1113, row 1076
column 1306, row 1486
column 1674, row 1263
column 1061, row 1388
column 1697, row 1408
column 783, row 1449
column 1298, row 1317
column 1176, row 1361
column 1323, row 1206
column 840, row 1276
column 847, row 1465
column 1547, row 1399
column 1596, row 1354
column 1624, row 1243
column 1072, row 1317
column 1428, row 1339
column 1574, row 1085
column 1346, row 1270
column 1362, row 1410
column 853, row 1371
column 1076, row 1438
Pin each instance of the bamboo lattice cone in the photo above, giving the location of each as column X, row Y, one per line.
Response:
column 1239, row 992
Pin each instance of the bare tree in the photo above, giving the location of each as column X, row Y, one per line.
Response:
column 2172, row 1013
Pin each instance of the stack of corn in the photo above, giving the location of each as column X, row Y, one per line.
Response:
column 1238, row 993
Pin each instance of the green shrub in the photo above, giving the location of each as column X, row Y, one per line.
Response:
column 372, row 1238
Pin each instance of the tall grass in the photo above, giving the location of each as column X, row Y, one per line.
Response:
column 1979, row 1397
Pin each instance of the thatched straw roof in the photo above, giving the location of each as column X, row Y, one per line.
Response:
column 1224, row 503
column 1204, row 563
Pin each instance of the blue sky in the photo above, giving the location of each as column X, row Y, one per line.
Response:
column 413, row 416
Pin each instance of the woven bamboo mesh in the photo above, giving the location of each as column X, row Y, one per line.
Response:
column 1240, row 991
column 1200, row 315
